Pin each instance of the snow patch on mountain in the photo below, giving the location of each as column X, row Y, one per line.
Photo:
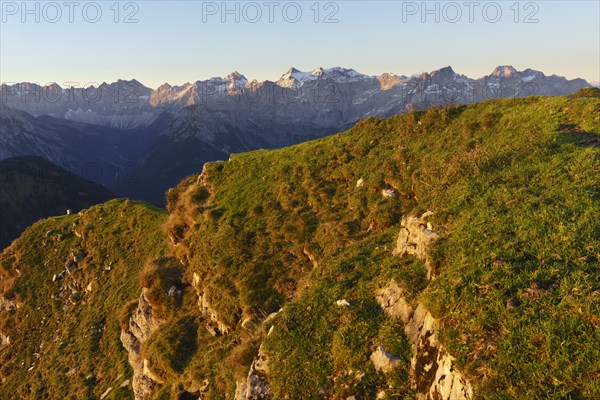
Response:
column 295, row 78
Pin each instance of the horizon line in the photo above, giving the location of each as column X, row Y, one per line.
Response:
column 92, row 84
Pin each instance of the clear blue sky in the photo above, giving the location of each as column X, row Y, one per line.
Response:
column 181, row 41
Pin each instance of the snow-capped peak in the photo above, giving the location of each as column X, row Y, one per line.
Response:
column 343, row 75
column 530, row 74
column 236, row 81
column 294, row 78
column 318, row 72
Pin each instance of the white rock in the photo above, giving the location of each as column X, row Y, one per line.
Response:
column 384, row 361
column 4, row 339
column 256, row 385
column 388, row 193
column 342, row 303
column 421, row 330
column 360, row 183
column 415, row 237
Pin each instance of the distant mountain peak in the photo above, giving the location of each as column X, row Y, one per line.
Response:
column 318, row 72
column 505, row 71
column 444, row 73
column 294, row 78
column 115, row 107
column 234, row 76
column 236, row 81
column 447, row 69
column 388, row 80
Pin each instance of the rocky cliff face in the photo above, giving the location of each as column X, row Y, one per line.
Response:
column 434, row 373
column 415, row 236
column 142, row 324
column 256, row 385
column 435, row 376
column 213, row 323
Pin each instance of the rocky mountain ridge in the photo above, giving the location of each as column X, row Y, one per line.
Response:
column 128, row 104
column 139, row 142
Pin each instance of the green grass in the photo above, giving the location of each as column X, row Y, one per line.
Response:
column 54, row 335
column 514, row 185
column 515, row 190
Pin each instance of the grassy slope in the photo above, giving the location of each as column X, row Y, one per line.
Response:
column 52, row 335
column 514, row 184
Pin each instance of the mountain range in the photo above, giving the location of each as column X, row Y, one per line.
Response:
column 139, row 142
column 127, row 104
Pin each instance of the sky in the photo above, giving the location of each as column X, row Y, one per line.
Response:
column 183, row 41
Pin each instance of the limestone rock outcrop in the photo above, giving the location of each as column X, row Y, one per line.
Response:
column 384, row 361
column 142, row 323
column 256, row 385
column 415, row 237
column 434, row 373
column 214, row 325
